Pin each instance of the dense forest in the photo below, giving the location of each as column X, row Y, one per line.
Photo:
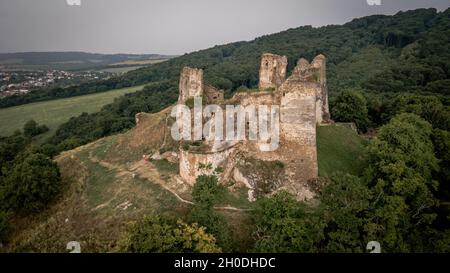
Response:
column 389, row 74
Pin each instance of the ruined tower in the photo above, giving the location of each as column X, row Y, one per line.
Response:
column 272, row 72
column 298, row 118
column 191, row 83
column 322, row 109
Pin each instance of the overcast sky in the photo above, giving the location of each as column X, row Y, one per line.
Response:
column 169, row 26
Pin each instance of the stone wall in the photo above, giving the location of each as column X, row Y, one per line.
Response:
column 191, row 83
column 303, row 101
column 322, row 109
column 298, row 119
column 272, row 72
column 213, row 94
column 254, row 98
column 192, row 164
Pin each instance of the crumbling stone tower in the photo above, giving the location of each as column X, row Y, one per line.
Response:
column 298, row 118
column 322, row 109
column 272, row 72
column 315, row 72
column 191, row 83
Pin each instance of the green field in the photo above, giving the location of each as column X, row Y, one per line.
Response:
column 55, row 112
column 119, row 70
column 339, row 148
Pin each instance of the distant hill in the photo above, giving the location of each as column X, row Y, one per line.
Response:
column 70, row 60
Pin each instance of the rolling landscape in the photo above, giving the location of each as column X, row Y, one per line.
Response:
column 364, row 156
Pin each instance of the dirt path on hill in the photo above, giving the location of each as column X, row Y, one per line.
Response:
column 151, row 174
column 147, row 170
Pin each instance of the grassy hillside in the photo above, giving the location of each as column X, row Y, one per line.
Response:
column 98, row 203
column 339, row 148
column 107, row 185
column 55, row 112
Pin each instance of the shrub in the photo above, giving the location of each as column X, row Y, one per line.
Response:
column 163, row 233
column 30, row 184
column 351, row 106
column 31, row 129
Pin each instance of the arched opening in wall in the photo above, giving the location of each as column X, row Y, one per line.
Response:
column 267, row 64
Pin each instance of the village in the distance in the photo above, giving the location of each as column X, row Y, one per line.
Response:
column 22, row 82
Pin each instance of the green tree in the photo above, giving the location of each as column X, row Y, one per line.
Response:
column 205, row 194
column 31, row 183
column 4, row 225
column 215, row 224
column 165, row 234
column 31, row 128
column 344, row 205
column 10, row 147
column 282, row 225
column 351, row 106
column 401, row 164
column 205, row 191
column 429, row 108
column 441, row 142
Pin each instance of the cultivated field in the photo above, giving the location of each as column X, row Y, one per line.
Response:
column 139, row 62
column 55, row 112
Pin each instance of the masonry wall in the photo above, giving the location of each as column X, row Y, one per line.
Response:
column 255, row 98
column 303, row 101
column 213, row 94
column 272, row 72
column 190, row 163
column 322, row 109
column 191, row 83
column 298, row 125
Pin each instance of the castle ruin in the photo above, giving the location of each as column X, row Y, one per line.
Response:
column 191, row 83
column 303, row 102
column 272, row 72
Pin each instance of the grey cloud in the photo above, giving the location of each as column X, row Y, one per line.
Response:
column 169, row 26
